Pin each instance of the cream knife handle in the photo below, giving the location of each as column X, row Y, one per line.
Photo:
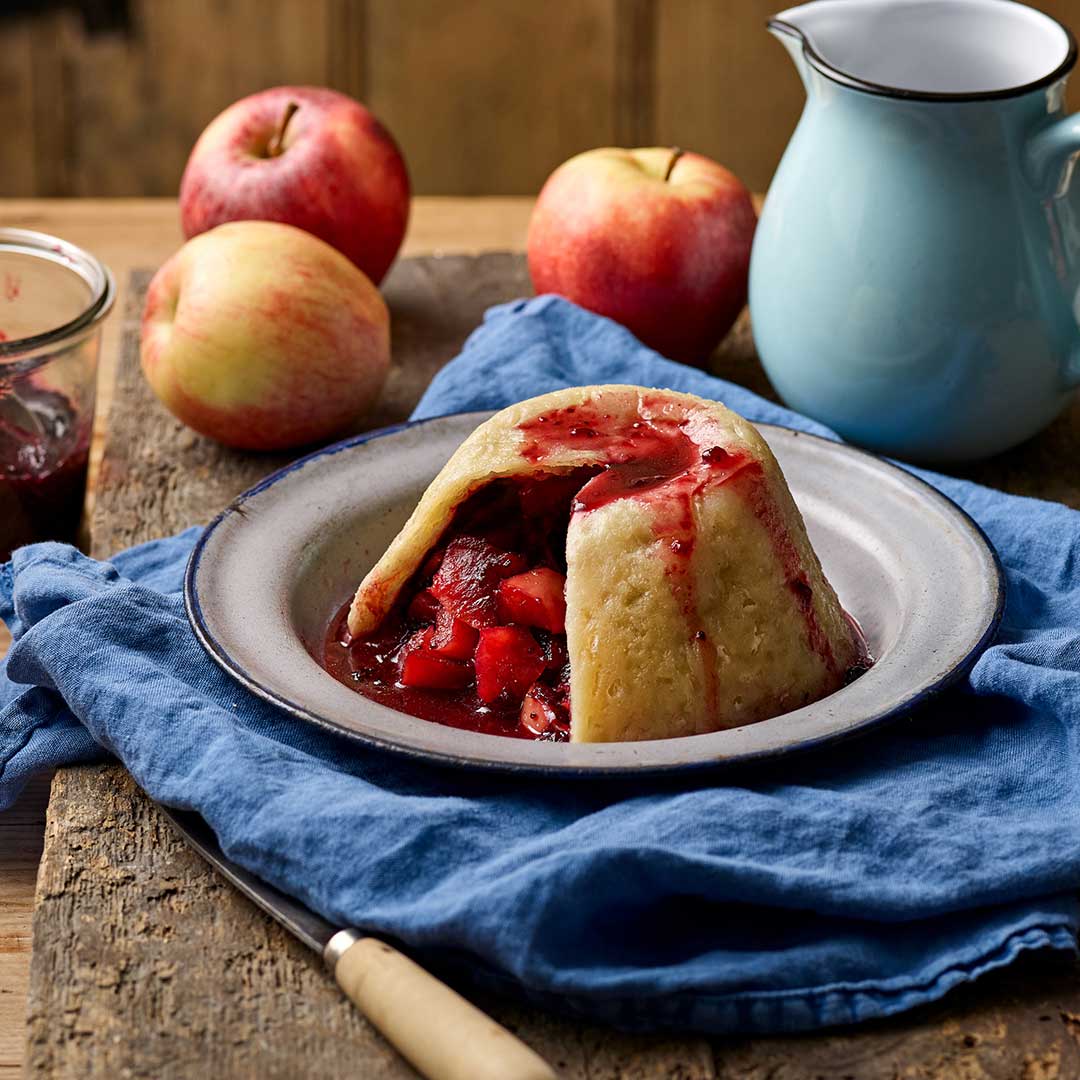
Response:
column 437, row 1030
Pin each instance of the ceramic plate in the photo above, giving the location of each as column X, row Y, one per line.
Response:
column 270, row 571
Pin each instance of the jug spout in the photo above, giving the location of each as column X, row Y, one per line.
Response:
column 793, row 41
column 799, row 29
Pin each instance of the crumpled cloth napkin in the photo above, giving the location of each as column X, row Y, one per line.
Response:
column 859, row 881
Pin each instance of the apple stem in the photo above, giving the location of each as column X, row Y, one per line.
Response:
column 274, row 147
column 676, row 153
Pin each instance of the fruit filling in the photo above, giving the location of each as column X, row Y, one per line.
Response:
column 477, row 639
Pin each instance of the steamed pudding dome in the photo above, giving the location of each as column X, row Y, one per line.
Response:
column 693, row 599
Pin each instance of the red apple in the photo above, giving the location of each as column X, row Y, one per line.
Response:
column 263, row 337
column 305, row 156
column 657, row 239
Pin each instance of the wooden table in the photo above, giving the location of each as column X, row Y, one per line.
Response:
column 1024, row 1023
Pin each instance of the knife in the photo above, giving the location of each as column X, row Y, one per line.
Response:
column 441, row 1034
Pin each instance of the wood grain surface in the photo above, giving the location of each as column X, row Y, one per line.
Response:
column 146, row 965
column 484, row 96
column 522, row 87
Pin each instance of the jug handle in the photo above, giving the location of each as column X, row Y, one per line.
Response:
column 1050, row 158
column 1051, row 155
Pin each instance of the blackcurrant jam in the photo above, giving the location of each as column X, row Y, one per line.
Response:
column 44, row 452
column 53, row 299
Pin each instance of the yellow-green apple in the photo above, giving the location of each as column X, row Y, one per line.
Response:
column 654, row 238
column 262, row 336
column 306, row 156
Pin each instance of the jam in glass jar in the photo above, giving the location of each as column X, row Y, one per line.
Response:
column 53, row 298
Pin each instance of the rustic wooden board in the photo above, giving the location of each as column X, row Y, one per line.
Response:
column 146, row 965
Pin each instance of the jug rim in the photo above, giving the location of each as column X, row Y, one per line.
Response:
column 868, row 86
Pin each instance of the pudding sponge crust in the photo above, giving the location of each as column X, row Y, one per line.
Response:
column 695, row 606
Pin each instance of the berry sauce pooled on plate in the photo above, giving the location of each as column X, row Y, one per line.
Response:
column 477, row 638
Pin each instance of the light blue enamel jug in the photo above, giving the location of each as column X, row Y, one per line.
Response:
column 915, row 278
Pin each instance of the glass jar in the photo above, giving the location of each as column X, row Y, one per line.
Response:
column 53, row 298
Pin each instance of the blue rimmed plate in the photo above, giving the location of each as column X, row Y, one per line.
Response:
column 270, row 571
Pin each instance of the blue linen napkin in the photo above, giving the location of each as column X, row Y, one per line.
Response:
column 865, row 879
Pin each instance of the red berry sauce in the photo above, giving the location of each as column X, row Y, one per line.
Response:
column 654, row 460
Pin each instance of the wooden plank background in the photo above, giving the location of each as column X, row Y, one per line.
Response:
column 484, row 96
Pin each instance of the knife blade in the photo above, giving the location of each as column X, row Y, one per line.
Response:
column 441, row 1034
